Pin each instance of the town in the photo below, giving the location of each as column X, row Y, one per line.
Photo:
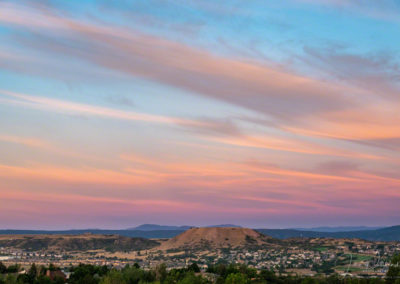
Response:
column 306, row 257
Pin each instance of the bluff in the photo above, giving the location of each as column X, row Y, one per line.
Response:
column 202, row 238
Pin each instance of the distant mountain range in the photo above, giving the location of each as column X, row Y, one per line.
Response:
column 338, row 229
column 157, row 234
column 155, row 227
column 381, row 234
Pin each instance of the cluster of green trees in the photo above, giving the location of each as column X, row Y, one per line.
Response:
column 219, row 274
column 35, row 275
column 393, row 274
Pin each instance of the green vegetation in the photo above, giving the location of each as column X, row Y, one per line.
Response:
column 350, row 269
column 320, row 248
column 326, row 267
column 35, row 275
column 359, row 257
column 218, row 274
column 74, row 243
column 393, row 274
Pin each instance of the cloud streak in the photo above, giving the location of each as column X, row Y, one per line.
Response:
column 312, row 134
column 252, row 85
column 66, row 106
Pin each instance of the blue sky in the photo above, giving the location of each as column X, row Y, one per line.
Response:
column 258, row 113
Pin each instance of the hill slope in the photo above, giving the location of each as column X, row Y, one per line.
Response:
column 338, row 229
column 384, row 234
column 76, row 242
column 216, row 237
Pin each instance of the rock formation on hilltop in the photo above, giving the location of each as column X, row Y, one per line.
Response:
column 197, row 238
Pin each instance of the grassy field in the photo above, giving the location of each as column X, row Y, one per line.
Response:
column 320, row 248
column 359, row 257
column 352, row 268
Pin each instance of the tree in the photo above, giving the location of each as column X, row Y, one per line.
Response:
column 24, row 279
column 3, row 268
column 113, row 277
column 136, row 265
column 43, row 280
column 161, row 272
column 268, row 276
column 190, row 278
column 33, row 271
column 11, row 279
column 393, row 273
column 13, row 268
column 52, row 267
column 58, row 280
column 236, row 278
column 84, row 274
column 221, row 270
column 309, row 280
column 43, row 270
column 194, row 267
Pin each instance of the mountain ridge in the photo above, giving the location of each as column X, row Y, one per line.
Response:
column 76, row 242
column 156, row 227
column 384, row 234
column 333, row 229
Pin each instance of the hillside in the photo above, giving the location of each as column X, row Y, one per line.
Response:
column 216, row 237
column 76, row 242
column 384, row 234
column 338, row 229
column 156, row 234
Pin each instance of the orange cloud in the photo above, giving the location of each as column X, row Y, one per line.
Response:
column 74, row 175
column 374, row 121
column 74, row 198
column 290, row 145
column 31, row 142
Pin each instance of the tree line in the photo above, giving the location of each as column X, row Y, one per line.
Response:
column 219, row 274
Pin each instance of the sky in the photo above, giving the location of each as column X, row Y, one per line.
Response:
column 267, row 114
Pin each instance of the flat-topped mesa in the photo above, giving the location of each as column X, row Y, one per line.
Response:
column 196, row 238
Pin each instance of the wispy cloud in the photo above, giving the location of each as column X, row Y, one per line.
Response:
column 291, row 99
column 379, row 72
column 55, row 105
column 235, row 134
column 27, row 141
column 387, row 10
column 262, row 88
